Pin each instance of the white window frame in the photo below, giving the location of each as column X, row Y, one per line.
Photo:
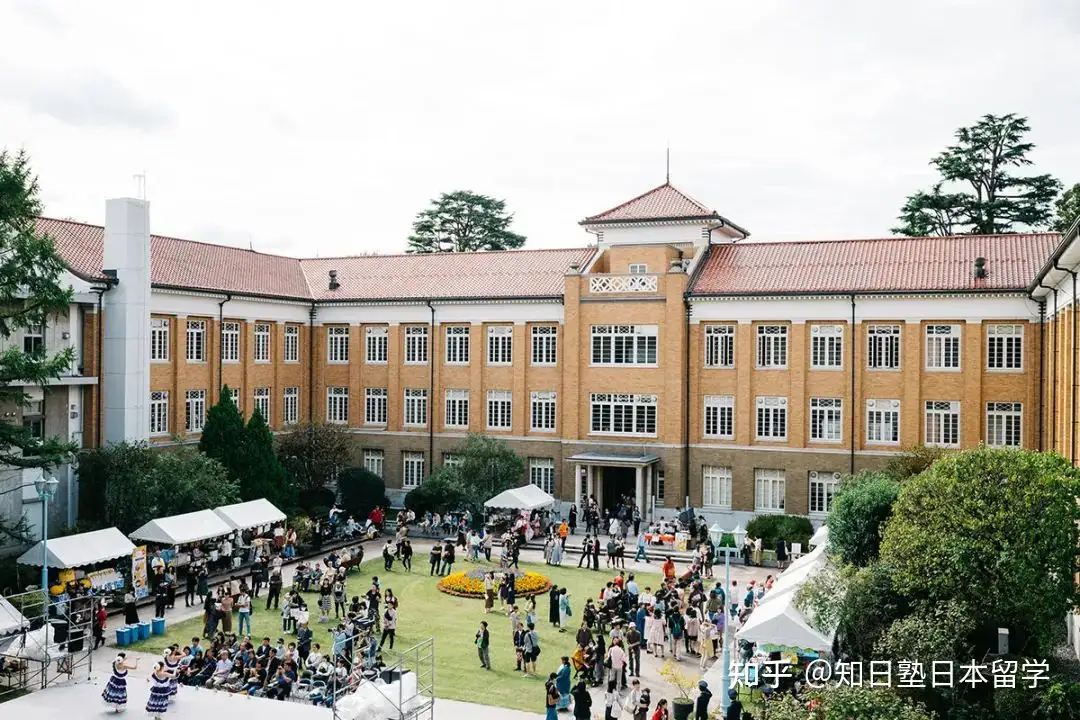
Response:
column 1005, row 347
column 638, row 269
column 542, row 474
column 236, row 398
column 261, row 346
column 415, row 407
column 377, row 344
column 882, row 422
column 230, row 341
column 194, row 411
column 159, row 340
column 457, row 344
column 453, row 460
column 456, row 408
column 500, row 345
column 416, row 345
column 545, row 345
column 827, row 419
column 770, row 490
column 826, row 347
column 716, row 487
column 337, row 405
column 612, row 413
column 543, row 411
column 883, row 347
column 829, row 483
column 941, row 419
column 376, row 407
column 944, row 347
column 771, row 415
column 290, row 406
column 33, row 338
column 500, row 408
column 624, row 345
column 375, row 461
column 159, row 413
column 337, row 344
column 412, row 469
column 719, row 419
column 261, row 397
column 1005, row 421
column 772, row 347
column 291, row 349
column 195, row 346
column 720, row 346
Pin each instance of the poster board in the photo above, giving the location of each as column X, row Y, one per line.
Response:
column 138, row 573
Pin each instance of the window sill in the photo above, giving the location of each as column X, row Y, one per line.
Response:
column 291, row 362
column 725, row 438
column 624, row 365
column 497, row 429
column 375, row 424
column 375, row 362
column 262, row 362
column 414, row 362
column 195, row 362
column 456, row 364
column 621, row 435
column 548, row 431
column 547, row 365
column 883, row 443
column 770, row 367
column 160, row 361
column 883, row 369
column 772, row 440
column 337, row 362
column 416, row 426
column 826, row 442
column 830, row 368
column 769, row 511
column 943, row 370
column 499, row 364
column 1005, row 371
column 719, row 367
column 716, row 508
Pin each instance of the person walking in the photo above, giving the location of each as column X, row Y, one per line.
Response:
column 483, row 645
column 389, row 625
column 596, row 553
column 191, row 582
column 582, row 701
column 586, row 551
column 633, row 650
column 435, row 557
column 562, row 684
column 701, row 706
column 273, row 590
column 531, row 650
column 564, row 612
column 552, row 699
column 406, row 554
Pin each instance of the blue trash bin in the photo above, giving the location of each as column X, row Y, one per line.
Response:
column 157, row 626
column 144, row 630
column 123, row 636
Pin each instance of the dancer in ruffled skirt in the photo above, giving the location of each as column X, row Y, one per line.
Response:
column 158, row 702
column 172, row 665
column 115, row 692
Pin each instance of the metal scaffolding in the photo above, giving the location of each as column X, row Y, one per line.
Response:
column 54, row 643
column 418, row 704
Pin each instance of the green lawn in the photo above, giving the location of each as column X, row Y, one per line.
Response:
column 425, row 612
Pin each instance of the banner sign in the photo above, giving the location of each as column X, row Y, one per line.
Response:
column 138, row 572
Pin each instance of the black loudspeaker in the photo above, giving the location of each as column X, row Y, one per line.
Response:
column 390, row 676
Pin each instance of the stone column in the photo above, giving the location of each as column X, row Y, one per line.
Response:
column 639, row 488
column 577, row 487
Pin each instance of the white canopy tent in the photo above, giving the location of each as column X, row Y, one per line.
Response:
column 795, row 577
column 781, row 623
column 251, row 514
column 82, row 550
column 11, row 620
column 182, row 529
column 526, row 497
column 820, row 536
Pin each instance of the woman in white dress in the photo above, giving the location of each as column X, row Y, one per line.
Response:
column 115, row 692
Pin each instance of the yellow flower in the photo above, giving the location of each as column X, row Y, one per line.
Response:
column 460, row 584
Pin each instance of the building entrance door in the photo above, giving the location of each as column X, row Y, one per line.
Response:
column 619, row 486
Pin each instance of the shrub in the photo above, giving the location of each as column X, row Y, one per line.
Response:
column 914, row 461
column 858, row 516
column 361, row 490
column 792, row 528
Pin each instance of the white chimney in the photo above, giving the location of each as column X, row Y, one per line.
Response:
column 126, row 350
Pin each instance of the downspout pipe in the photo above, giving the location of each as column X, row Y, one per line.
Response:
column 221, row 335
column 686, row 407
column 1072, row 409
column 1042, row 375
column 109, row 282
column 1053, row 373
column 854, row 404
column 311, row 365
column 431, row 387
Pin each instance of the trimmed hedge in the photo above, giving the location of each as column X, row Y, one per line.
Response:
column 792, row 528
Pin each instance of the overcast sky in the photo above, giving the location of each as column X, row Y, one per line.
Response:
column 322, row 128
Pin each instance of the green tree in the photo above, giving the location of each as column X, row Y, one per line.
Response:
column 360, row 491
column 859, row 512
column 117, row 487
column 261, row 474
column 441, row 492
column 32, row 293
column 464, row 221
column 913, row 461
column 994, row 531
column 845, row 703
column 223, row 433
column 488, row 467
column 314, row 454
column 984, row 195
column 186, row 480
column 1066, row 209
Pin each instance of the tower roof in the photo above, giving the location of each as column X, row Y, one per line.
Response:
column 663, row 203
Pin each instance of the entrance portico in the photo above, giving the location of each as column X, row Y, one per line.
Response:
column 607, row 476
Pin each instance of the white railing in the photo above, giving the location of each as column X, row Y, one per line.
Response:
column 622, row 283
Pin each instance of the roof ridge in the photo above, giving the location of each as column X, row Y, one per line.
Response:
column 701, row 206
column 841, row 241
column 447, row 253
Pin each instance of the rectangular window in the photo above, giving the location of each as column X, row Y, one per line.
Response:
column 36, row 426
column 376, row 341
column 883, row 422
column 769, row 486
column 826, row 347
column 290, row 407
column 337, row 405
column 883, row 347
column 639, row 269
column 457, row 345
column 716, row 487
column 236, row 399
column 498, row 409
column 262, row 342
column 720, row 346
column 262, row 402
column 416, row 407
column 1005, row 347
column 542, row 474
column 772, row 346
column 452, row 460
column 660, row 487
column 772, row 418
column 545, row 344
column 413, row 469
column 623, row 414
column 292, row 343
column 230, row 341
column 34, row 339
column 826, row 419
column 375, row 411
column 500, row 345
column 457, row 409
column 416, row 350
column 624, row 344
column 1004, row 424
column 337, row 339
column 943, row 423
column 720, row 416
column 942, row 347
column 196, row 341
column 194, row 410
column 542, row 411
column 159, row 413
column 823, row 487
column 159, row 340
column 373, row 462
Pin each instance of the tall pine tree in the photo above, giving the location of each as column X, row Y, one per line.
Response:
column 223, row 433
column 261, row 473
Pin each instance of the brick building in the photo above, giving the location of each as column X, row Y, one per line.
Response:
column 670, row 358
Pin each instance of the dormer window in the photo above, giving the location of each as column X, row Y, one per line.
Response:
column 639, row 269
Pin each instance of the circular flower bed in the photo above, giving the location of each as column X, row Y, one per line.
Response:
column 471, row 583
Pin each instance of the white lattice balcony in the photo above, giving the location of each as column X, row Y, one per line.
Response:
column 622, row 283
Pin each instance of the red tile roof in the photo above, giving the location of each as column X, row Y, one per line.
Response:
column 662, row 203
column 881, row 265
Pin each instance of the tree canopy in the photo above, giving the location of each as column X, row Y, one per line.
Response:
column 314, row 454
column 979, row 192
column 860, row 509
column 486, row 467
column 360, row 491
column 464, row 221
column 1067, row 209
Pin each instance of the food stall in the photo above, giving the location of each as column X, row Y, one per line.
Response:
column 85, row 559
column 255, row 524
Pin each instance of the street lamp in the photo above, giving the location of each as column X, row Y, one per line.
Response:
column 738, row 535
column 46, row 490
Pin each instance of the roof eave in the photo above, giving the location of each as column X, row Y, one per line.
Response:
column 1067, row 238
column 441, row 299
column 858, row 293
column 596, row 221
